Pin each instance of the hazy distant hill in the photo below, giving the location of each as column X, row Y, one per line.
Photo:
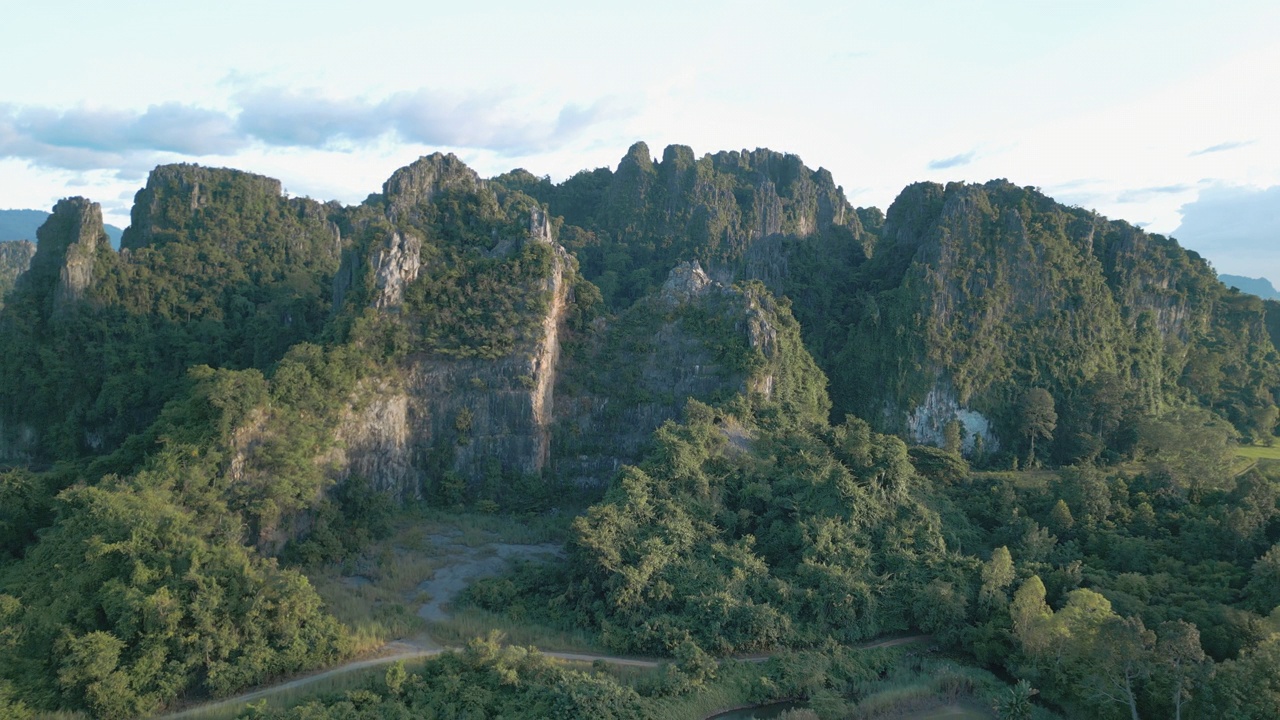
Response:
column 22, row 224
column 1261, row 287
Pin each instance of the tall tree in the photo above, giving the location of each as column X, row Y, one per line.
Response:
column 1120, row 660
column 997, row 575
column 1038, row 419
column 1179, row 661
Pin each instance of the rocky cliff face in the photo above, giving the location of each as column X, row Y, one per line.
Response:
column 68, row 248
column 945, row 309
column 63, row 268
column 693, row 339
column 439, row 411
column 395, row 265
column 15, row 258
column 466, row 416
column 413, row 187
column 218, row 269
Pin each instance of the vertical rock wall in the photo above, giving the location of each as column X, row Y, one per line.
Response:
column 465, row 415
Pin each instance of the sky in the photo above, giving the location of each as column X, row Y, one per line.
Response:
column 1165, row 114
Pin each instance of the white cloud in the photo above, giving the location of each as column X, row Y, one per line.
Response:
column 1236, row 228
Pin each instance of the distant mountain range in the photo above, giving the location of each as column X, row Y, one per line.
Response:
column 1261, row 287
column 22, row 225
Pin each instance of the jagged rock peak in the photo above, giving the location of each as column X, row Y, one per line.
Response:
column 685, row 282
column 636, row 159
column 425, row 178
column 68, row 247
column 173, row 193
column 679, row 157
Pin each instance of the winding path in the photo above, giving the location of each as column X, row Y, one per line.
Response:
column 406, row 650
column 466, row 565
column 393, row 652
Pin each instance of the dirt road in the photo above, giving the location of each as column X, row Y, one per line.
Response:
column 410, row 650
column 465, row 565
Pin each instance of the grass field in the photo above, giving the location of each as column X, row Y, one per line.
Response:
column 1258, row 452
column 471, row 622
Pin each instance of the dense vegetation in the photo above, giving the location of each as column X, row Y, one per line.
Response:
column 230, row 278
column 992, row 290
column 174, row 485
column 1151, row 588
column 141, row 588
column 975, row 292
column 630, row 227
column 175, row 416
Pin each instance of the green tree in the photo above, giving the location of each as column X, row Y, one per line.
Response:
column 1263, row 589
column 1031, row 616
column 1247, row 688
column 1180, row 661
column 395, row 678
column 1060, row 519
column 1014, row 703
column 997, row 575
column 1037, row 419
column 1119, row 660
column 953, row 436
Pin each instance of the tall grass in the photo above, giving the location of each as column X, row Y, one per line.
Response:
column 711, row 699
column 471, row 622
column 1258, row 452
column 380, row 608
column 939, row 689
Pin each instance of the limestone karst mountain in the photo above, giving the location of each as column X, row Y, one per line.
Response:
column 942, row 311
column 251, row 381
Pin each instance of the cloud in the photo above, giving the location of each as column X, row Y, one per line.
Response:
column 1222, row 147
column 953, row 161
column 1237, row 228
column 291, row 119
column 87, row 138
column 1144, row 194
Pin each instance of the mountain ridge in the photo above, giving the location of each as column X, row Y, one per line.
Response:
column 253, row 382
column 1262, row 287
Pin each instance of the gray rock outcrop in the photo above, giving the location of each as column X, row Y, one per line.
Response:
column 68, row 247
column 395, row 266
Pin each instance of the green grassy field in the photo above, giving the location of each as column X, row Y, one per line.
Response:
column 1258, row 452
column 470, row 622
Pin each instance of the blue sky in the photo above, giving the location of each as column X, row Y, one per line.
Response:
column 1166, row 114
